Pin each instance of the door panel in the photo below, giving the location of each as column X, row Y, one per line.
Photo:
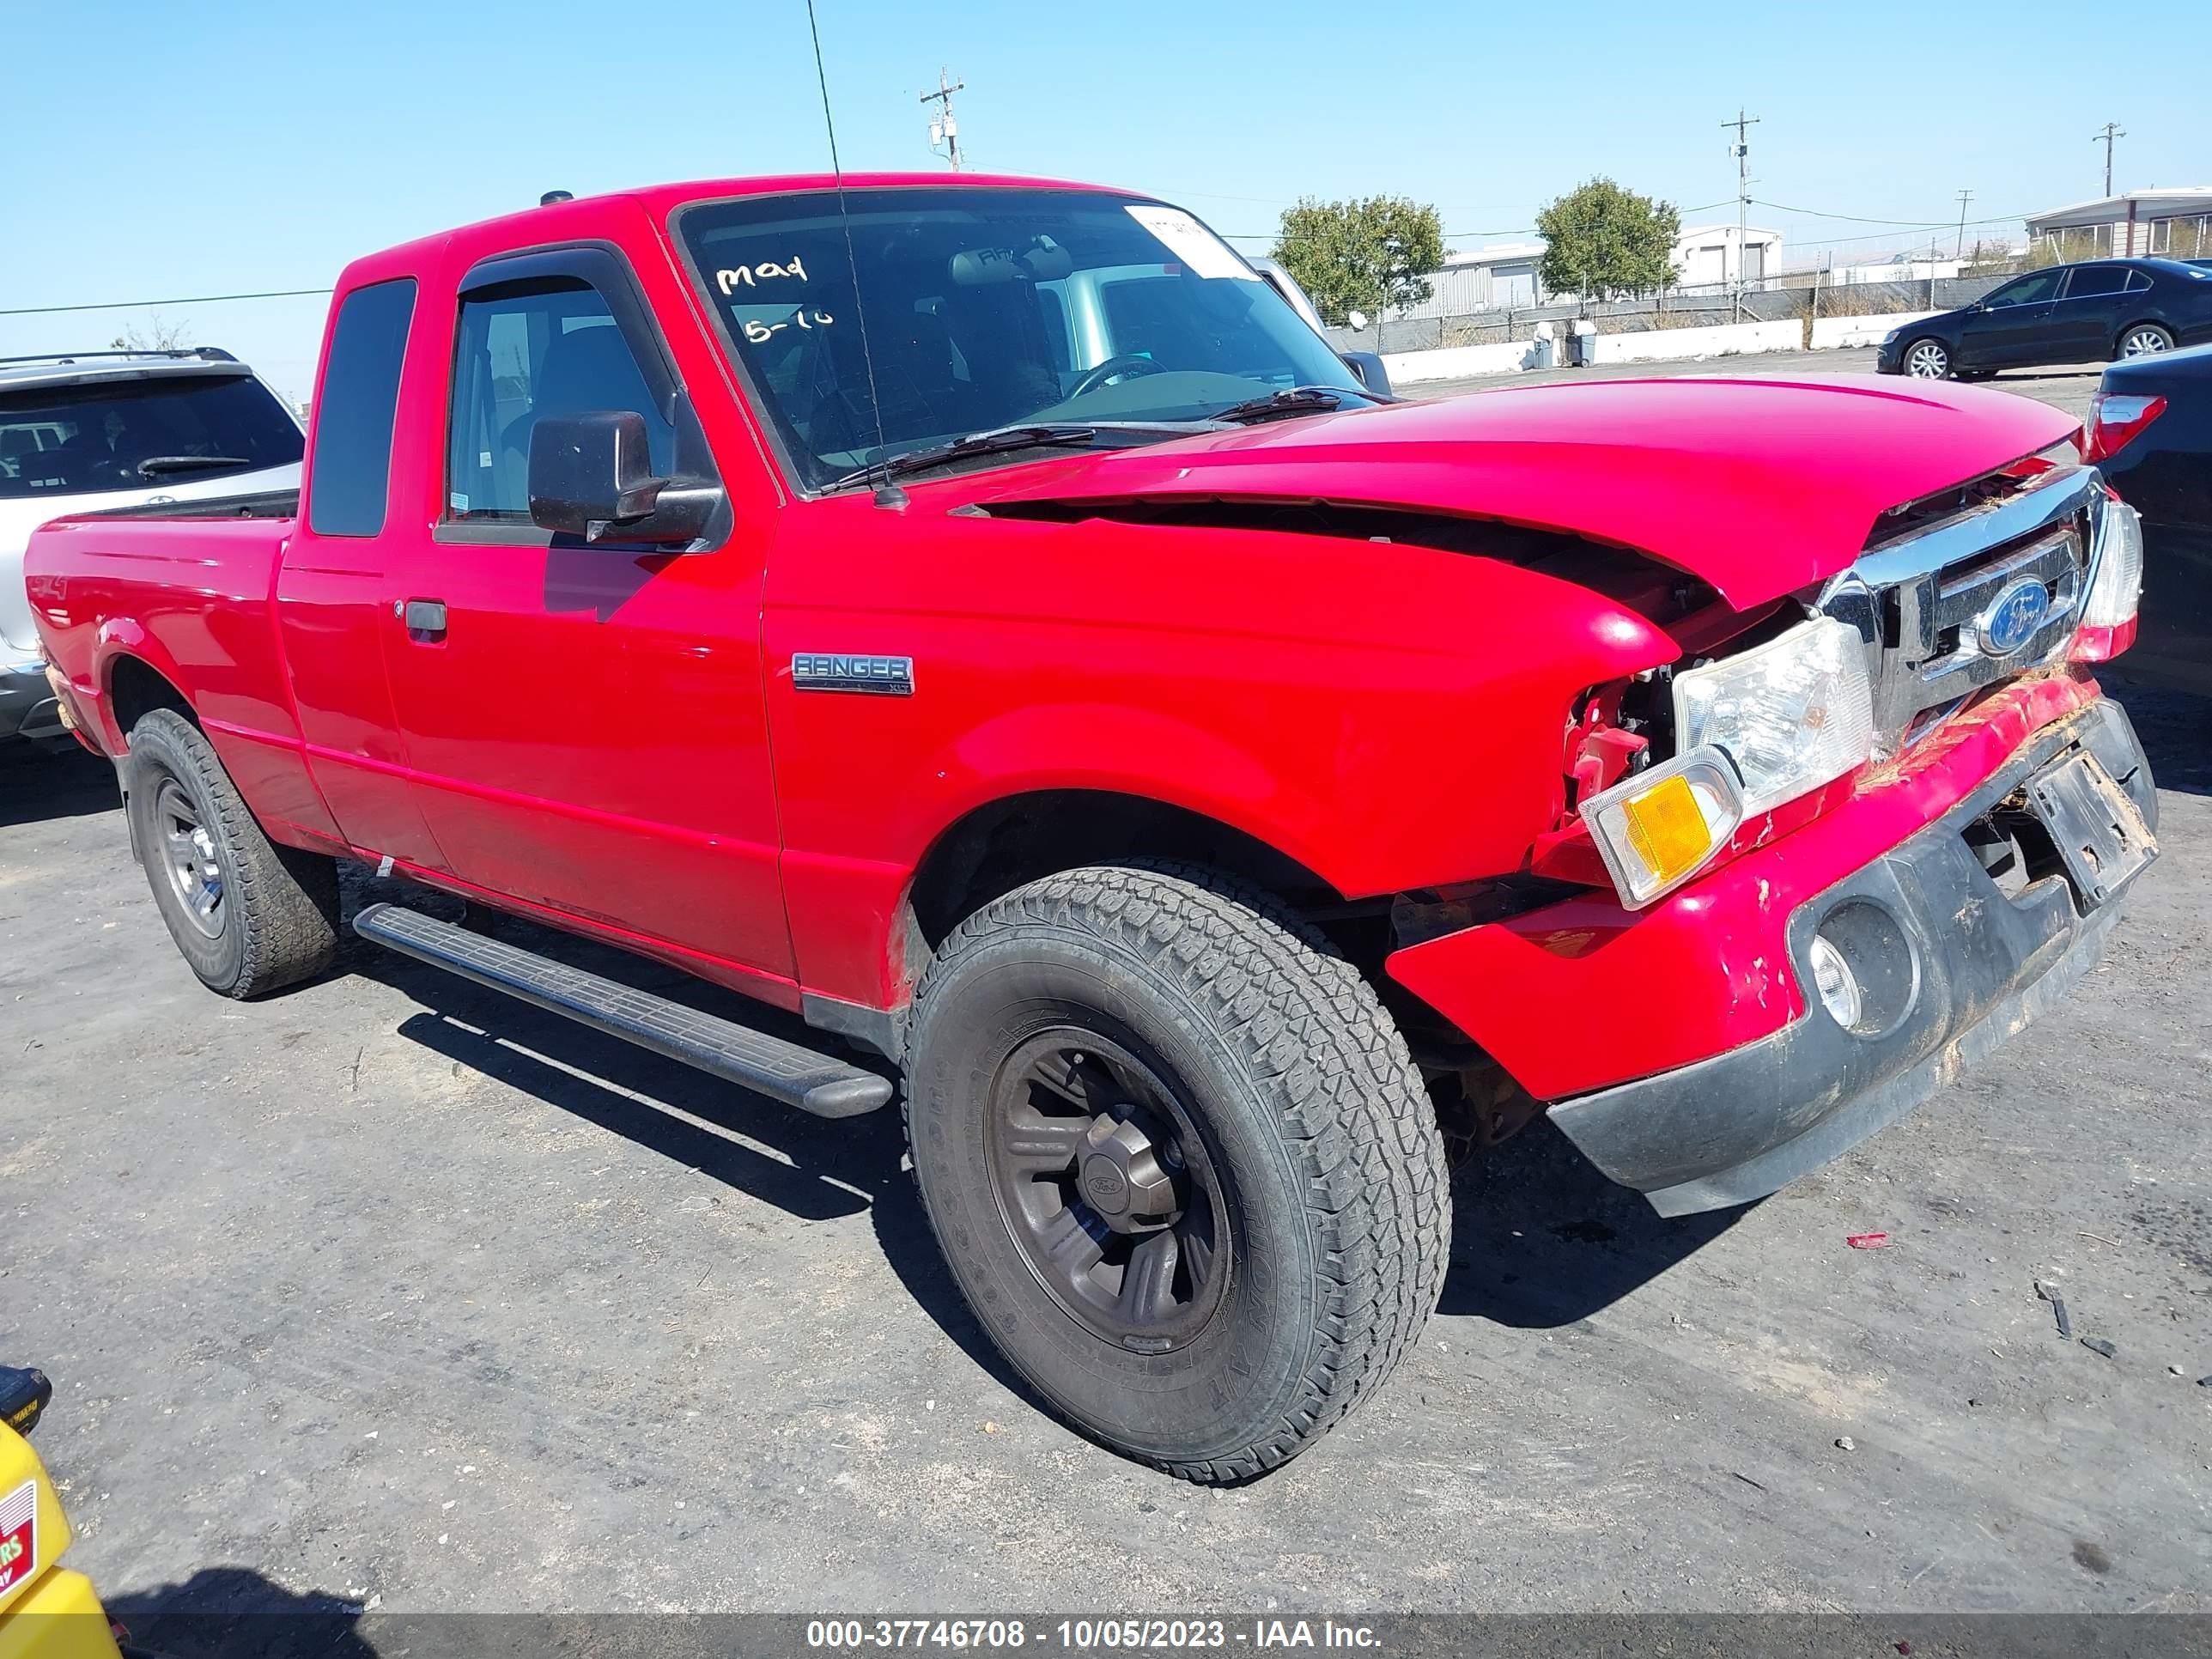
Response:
column 2013, row 326
column 589, row 734
column 2087, row 317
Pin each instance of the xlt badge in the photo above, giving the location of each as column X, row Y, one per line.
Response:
column 824, row 671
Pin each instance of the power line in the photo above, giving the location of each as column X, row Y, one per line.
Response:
column 136, row 305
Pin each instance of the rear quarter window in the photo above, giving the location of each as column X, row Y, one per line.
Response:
column 350, row 472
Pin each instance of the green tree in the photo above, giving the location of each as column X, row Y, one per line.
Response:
column 1602, row 242
column 1368, row 255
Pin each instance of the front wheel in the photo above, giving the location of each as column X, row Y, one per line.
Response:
column 1180, row 1163
column 1928, row 360
column 248, row 915
column 2144, row 340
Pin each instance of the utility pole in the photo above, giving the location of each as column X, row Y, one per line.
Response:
column 1742, row 197
column 942, row 128
column 1964, row 196
column 2112, row 129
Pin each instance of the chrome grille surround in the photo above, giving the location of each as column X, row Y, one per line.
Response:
column 1919, row 602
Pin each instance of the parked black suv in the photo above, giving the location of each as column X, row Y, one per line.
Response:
column 2086, row 313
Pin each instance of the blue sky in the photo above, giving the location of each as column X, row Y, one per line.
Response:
column 240, row 144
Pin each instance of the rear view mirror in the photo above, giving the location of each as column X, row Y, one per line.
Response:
column 591, row 475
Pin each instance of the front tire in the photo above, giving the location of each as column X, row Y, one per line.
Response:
column 2145, row 338
column 1179, row 1161
column 1926, row 360
column 249, row 916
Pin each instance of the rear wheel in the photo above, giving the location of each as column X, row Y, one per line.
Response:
column 1927, row 360
column 248, row 915
column 2144, row 340
column 1179, row 1161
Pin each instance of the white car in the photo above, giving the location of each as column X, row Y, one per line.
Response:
column 97, row 429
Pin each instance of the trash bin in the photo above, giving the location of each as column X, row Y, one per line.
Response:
column 1581, row 344
column 1545, row 348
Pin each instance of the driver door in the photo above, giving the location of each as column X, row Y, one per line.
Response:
column 2013, row 325
column 585, row 724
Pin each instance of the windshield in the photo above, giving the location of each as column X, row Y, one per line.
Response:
column 138, row 433
column 986, row 308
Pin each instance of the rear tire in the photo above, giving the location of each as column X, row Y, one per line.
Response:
column 249, row 916
column 2144, row 340
column 1180, row 1163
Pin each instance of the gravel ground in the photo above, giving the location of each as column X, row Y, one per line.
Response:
column 390, row 1292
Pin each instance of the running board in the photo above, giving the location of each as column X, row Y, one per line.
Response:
column 767, row 1065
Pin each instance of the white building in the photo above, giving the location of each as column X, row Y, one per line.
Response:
column 1719, row 256
column 1490, row 278
column 2176, row 223
column 1506, row 276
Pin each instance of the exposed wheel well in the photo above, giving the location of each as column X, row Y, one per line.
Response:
column 135, row 688
column 997, row 848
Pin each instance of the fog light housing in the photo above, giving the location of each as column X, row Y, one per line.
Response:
column 1658, row 828
column 1838, row 985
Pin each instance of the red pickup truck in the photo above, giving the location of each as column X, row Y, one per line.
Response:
column 980, row 615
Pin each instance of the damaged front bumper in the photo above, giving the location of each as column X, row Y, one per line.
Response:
column 1688, row 1050
column 1948, row 965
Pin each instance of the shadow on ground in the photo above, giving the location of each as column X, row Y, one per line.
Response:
column 228, row 1613
column 1542, row 1239
column 2176, row 730
column 39, row 784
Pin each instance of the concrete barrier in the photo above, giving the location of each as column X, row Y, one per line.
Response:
column 1830, row 332
column 1456, row 362
column 1663, row 344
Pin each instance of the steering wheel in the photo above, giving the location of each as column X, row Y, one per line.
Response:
column 1116, row 369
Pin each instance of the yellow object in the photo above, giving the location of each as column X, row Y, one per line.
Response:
column 1666, row 829
column 46, row 1612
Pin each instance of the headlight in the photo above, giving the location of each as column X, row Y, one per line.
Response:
column 1890, row 338
column 1791, row 715
column 1658, row 828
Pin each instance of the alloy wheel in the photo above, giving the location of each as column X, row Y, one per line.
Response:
column 190, row 859
column 1106, row 1186
column 1926, row 361
column 2142, row 342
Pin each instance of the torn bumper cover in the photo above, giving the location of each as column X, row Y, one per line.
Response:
column 1946, row 965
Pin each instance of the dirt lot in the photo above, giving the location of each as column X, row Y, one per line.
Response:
column 390, row 1292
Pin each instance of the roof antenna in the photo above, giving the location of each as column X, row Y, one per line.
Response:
column 888, row 494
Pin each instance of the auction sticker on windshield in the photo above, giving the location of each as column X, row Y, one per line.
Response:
column 1197, row 248
column 19, row 1535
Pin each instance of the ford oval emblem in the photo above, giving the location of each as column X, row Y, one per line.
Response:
column 2013, row 617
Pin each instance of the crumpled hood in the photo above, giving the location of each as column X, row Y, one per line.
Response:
column 1758, row 487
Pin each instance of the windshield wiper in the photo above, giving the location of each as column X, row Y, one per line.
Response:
column 997, row 441
column 154, row 465
column 1292, row 400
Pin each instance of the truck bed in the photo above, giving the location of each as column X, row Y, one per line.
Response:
column 258, row 504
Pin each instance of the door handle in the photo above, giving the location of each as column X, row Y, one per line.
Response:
column 425, row 619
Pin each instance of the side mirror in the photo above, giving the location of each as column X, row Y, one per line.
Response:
column 591, row 475
column 1367, row 368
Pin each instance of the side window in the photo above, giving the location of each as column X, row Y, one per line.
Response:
column 2037, row 285
column 2138, row 281
column 2087, row 282
column 525, row 351
column 351, row 467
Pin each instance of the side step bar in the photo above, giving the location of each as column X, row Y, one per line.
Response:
column 767, row 1065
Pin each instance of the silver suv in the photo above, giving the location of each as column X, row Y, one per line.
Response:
column 97, row 429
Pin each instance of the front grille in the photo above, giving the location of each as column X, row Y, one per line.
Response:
column 1933, row 606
